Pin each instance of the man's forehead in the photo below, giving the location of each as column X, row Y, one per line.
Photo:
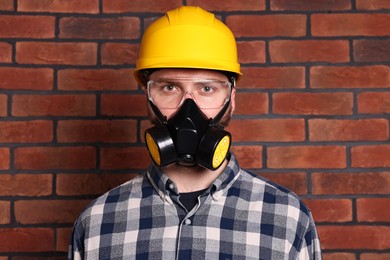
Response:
column 187, row 73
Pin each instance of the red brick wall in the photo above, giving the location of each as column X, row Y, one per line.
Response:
column 312, row 112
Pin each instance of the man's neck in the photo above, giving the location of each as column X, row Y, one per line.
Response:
column 194, row 178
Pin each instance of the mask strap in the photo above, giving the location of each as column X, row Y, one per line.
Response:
column 157, row 112
column 215, row 121
column 221, row 113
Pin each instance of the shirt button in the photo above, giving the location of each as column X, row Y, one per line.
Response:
column 171, row 186
column 187, row 222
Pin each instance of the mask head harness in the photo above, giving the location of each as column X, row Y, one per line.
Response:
column 188, row 138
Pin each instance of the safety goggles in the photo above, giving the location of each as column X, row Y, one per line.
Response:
column 171, row 93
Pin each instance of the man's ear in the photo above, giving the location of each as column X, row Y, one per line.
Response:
column 233, row 100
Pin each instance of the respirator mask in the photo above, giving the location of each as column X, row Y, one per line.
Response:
column 188, row 137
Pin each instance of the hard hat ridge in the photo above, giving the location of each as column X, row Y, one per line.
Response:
column 190, row 15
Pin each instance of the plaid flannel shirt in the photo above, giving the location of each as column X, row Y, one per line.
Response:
column 241, row 216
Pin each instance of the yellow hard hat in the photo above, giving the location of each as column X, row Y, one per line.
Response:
column 188, row 37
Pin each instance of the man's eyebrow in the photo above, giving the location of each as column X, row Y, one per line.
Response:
column 188, row 79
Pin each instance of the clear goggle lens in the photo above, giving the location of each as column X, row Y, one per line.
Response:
column 171, row 93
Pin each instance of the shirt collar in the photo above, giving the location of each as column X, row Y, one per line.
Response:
column 164, row 185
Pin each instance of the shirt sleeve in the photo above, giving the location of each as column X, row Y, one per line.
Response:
column 76, row 245
column 311, row 248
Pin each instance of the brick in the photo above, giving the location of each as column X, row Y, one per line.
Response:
column 124, row 6
column 26, row 78
column 5, row 52
column 64, row 53
column 89, row 184
column 251, row 52
column 123, row 105
column 248, row 5
column 308, row 5
column 47, row 211
column 293, row 103
column 351, row 183
column 58, row 6
column 5, row 212
column 354, row 237
column 337, row 256
column 350, row 24
column 63, row 236
column 7, row 5
column 294, row 181
column 100, row 28
column 27, row 26
column 270, row 130
column 368, row 156
column 96, row 79
column 371, row 50
column 54, row 105
column 34, row 239
column 4, row 158
column 119, row 53
column 373, row 209
column 350, row 77
column 145, row 124
column 124, row 158
column 348, row 130
column 29, row 257
column 3, row 105
column 45, row 158
column 374, row 256
column 273, row 78
column 372, row 4
column 306, row 157
column 248, row 156
column 107, row 131
column 248, row 103
column 26, row 185
column 309, row 51
column 374, row 103
column 37, row 131
column 149, row 20
column 289, row 25
column 330, row 210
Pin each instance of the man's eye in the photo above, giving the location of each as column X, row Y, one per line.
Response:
column 169, row 88
column 207, row 89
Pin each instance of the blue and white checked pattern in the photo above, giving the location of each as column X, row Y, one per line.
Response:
column 241, row 216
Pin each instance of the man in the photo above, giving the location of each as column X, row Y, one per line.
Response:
column 194, row 201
